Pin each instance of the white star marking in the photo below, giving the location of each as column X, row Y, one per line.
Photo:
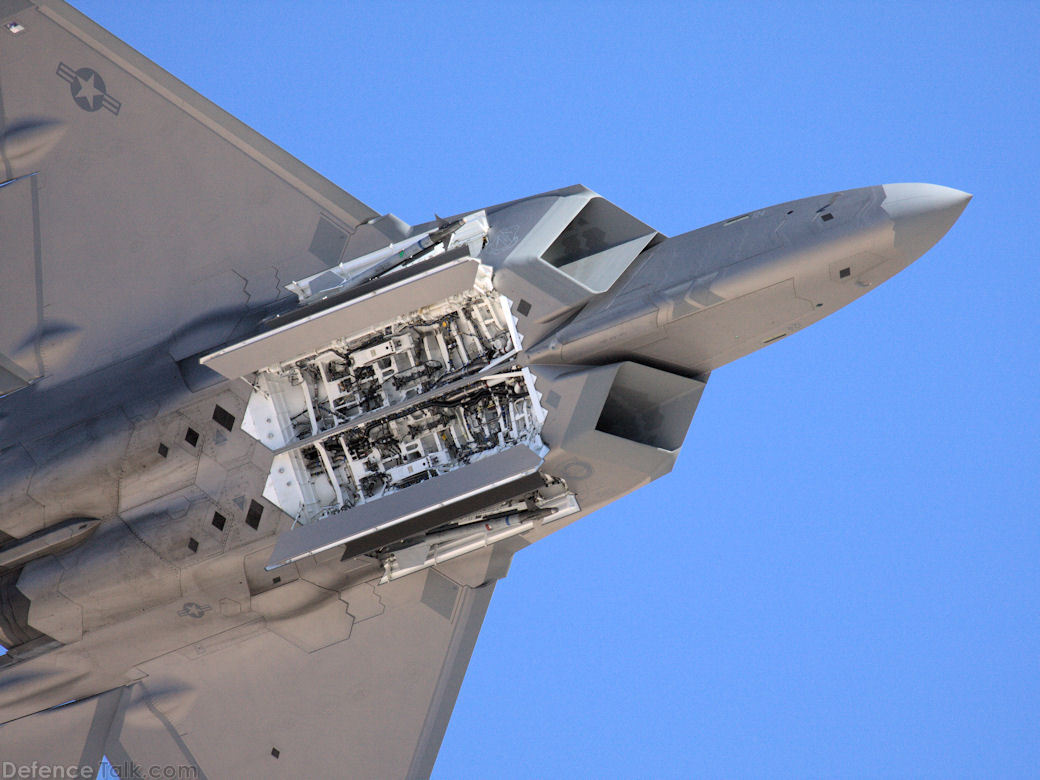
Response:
column 87, row 89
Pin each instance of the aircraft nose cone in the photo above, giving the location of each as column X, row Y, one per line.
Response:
column 922, row 214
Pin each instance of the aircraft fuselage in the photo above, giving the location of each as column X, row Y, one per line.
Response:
column 613, row 328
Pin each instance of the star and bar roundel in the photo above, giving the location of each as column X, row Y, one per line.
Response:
column 88, row 89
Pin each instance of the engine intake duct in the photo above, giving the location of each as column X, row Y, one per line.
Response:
column 598, row 244
column 613, row 428
column 654, row 409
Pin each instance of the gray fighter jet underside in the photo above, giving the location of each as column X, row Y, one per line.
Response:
column 264, row 452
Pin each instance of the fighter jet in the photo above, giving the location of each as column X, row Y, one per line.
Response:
column 265, row 452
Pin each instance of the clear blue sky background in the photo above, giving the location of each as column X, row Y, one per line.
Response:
column 840, row 577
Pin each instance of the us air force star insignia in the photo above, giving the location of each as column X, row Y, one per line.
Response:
column 88, row 89
column 191, row 609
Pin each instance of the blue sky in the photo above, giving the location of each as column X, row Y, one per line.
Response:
column 840, row 577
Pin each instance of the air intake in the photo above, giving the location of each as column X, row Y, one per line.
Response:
column 598, row 244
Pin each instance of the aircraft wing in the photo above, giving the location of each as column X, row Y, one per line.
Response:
column 362, row 689
column 137, row 216
column 135, row 212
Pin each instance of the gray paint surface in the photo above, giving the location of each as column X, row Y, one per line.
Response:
column 164, row 626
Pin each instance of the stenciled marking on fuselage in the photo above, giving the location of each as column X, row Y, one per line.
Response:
column 503, row 239
column 194, row 610
column 88, row 89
